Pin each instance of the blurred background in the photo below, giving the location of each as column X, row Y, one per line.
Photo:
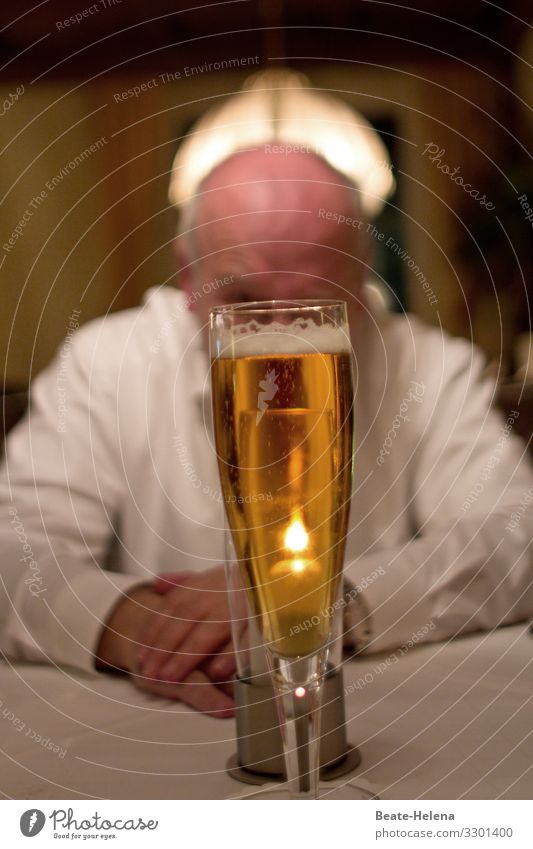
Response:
column 84, row 165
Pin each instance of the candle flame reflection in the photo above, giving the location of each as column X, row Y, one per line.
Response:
column 296, row 537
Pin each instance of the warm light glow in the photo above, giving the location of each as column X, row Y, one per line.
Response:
column 296, row 539
column 305, row 568
column 281, row 107
column 299, row 692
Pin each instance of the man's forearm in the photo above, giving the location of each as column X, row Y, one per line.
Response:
column 466, row 577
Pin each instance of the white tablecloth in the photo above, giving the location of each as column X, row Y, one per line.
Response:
column 443, row 721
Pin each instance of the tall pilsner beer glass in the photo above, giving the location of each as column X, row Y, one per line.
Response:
column 283, row 415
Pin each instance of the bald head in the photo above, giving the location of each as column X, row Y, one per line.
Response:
column 270, row 221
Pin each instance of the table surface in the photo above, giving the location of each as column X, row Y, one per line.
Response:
column 443, row 721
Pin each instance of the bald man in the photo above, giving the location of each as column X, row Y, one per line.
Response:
column 113, row 543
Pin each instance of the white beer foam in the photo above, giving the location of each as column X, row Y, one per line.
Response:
column 300, row 337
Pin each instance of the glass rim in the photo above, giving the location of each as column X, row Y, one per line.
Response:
column 277, row 305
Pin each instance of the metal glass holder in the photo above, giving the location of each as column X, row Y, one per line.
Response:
column 259, row 756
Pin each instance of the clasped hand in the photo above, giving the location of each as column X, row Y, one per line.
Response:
column 174, row 638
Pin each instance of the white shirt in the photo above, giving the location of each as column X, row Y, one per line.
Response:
column 111, row 478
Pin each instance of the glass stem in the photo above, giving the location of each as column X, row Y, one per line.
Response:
column 298, row 690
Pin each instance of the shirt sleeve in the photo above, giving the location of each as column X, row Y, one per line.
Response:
column 468, row 566
column 60, row 492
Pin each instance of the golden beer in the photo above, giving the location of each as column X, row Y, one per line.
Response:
column 283, row 431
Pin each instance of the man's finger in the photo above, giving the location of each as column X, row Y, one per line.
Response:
column 227, row 687
column 169, row 640
column 222, row 667
column 197, row 692
column 166, row 581
column 163, row 632
column 203, row 641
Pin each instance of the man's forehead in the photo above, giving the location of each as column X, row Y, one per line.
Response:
column 278, row 190
column 258, row 164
